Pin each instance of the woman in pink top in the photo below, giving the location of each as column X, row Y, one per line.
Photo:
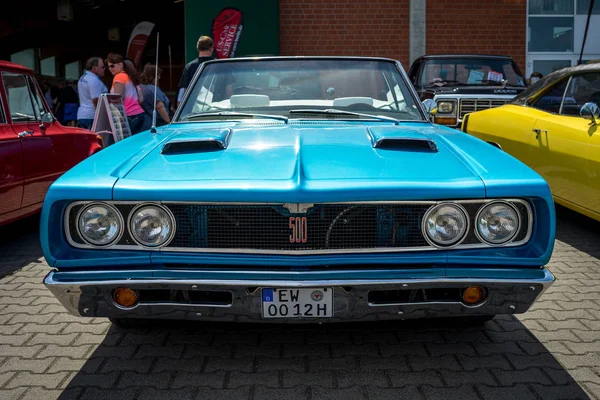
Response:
column 123, row 84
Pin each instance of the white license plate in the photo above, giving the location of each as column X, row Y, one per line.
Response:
column 297, row 303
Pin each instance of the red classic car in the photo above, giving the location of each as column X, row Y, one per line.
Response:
column 34, row 148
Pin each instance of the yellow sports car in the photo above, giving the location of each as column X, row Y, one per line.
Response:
column 553, row 127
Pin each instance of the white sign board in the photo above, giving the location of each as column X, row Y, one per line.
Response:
column 110, row 121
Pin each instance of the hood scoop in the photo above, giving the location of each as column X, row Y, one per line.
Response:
column 398, row 138
column 200, row 142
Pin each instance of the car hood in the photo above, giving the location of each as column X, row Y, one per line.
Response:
column 307, row 162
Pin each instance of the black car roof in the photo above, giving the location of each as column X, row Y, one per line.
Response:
column 576, row 68
column 493, row 56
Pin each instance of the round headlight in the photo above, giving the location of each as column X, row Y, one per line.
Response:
column 151, row 225
column 445, row 224
column 497, row 223
column 445, row 107
column 100, row 224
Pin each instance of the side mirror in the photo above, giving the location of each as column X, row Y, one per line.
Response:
column 590, row 111
column 430, row 106
column 46, row 120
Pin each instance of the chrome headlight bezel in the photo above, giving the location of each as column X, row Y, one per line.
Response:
column 446, row 107
column 460, row 239
column 131, row 229
column 108, row 206
column 490, row 204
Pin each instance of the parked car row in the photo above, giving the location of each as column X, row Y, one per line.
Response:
column 313, row 189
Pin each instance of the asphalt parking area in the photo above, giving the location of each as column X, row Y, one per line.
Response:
column 551, row 352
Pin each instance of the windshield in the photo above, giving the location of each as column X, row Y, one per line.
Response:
column 276, row 87
column 471, row 71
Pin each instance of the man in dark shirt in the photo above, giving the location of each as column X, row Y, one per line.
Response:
column 205, row 48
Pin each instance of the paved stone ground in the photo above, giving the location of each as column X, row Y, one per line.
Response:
column 551, row 352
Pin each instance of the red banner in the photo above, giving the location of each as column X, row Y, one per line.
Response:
column 226, row 30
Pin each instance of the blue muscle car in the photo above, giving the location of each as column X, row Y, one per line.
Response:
column 299, row 189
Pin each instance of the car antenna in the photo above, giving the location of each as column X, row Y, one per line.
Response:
column 153, row 129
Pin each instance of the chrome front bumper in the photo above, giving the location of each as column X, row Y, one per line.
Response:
column 351, row 298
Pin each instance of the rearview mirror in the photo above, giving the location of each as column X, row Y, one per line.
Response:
column 430, row 107
column 590, row 111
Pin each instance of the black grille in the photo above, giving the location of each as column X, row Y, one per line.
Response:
column 329, row 226
column 323, row 227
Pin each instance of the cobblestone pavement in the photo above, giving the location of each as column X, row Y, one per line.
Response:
column 551, row 352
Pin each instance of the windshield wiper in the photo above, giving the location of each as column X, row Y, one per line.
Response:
column 342, row 112
column 234, row 114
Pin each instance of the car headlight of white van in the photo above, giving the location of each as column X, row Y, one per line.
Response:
column 446, row 106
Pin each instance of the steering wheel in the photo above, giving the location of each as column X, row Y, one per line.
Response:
column 203, row 104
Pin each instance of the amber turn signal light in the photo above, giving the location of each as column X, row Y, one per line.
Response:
column 473, row 295
column 445, row 120
column 125, row 297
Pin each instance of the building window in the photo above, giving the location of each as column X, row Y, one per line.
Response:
column 73, row 70
column 554, row 34
column 583, row 6
column 49, row 66
column 547, row 66
column 25, row 58
column 550, row 7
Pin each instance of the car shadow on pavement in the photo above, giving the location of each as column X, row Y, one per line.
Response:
column 578, row 231
column 383, row 360
column 19, row 244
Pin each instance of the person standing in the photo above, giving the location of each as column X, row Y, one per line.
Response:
column 535, row 76
column 70, row 100
column 162, row 101
column 205, row 48
column 123, row 85
column 90, row 88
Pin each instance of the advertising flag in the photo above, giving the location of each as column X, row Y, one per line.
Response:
column 137, row 41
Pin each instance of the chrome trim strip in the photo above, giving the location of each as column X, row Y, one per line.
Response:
column 546, row 281
column 302, row 252
column 484, row 97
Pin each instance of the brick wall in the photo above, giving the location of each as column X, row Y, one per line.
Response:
column 375, row 28
column 482, row 27
column 381, row 28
